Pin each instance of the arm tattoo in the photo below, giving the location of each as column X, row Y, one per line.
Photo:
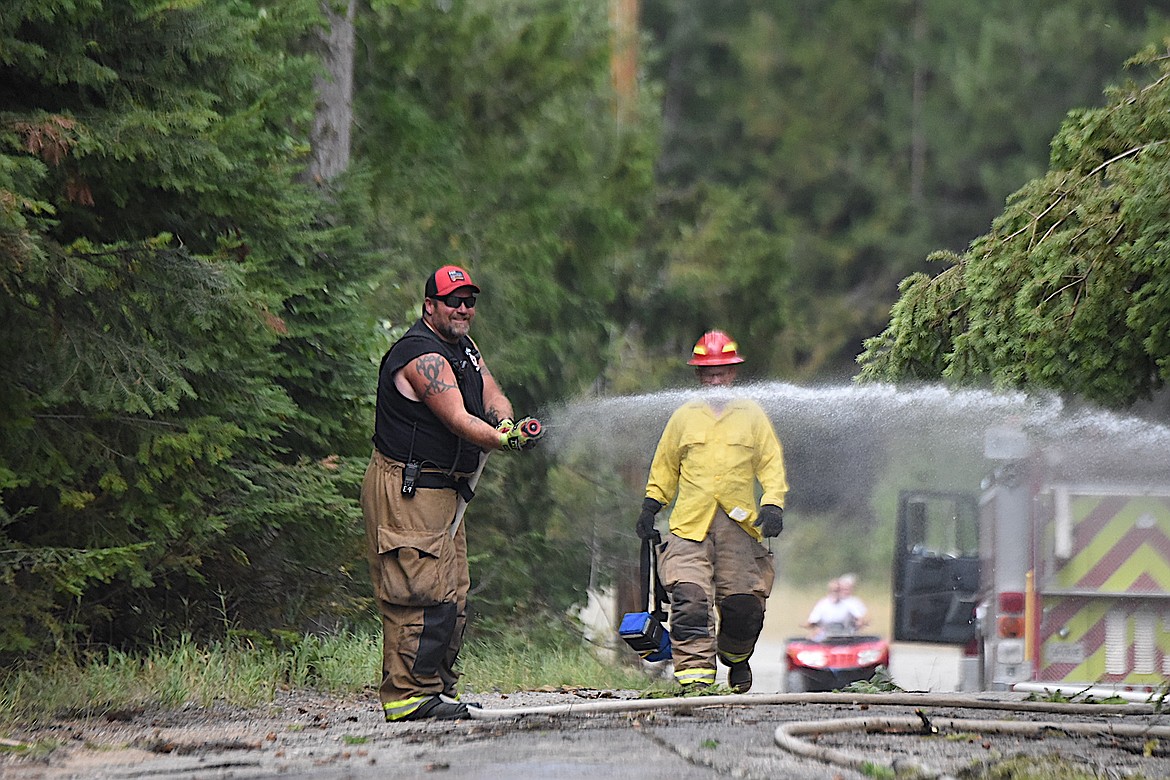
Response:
column 493, row 416
column 430, row 368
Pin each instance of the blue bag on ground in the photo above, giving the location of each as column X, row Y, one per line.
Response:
column 644, row 631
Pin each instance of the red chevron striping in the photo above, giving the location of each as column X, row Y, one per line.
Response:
column 1094, row 639
column 1097, row 518
column 1146, row 584
column 1121, row 552
column 1063, row 611
column 1094, row 636
column 1055, row 672
column 1090, row 644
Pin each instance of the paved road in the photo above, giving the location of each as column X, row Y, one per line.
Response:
column 307, row 737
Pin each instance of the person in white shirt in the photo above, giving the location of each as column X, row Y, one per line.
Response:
column 839, row 612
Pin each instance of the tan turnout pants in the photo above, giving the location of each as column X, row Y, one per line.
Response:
column 420, row 580
column 718, row 589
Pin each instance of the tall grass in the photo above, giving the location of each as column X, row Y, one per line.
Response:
column 185, row 672
column 505, row 665
column 248, row 670
column 248, row 673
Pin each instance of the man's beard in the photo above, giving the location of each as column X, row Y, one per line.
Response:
column 450, row 333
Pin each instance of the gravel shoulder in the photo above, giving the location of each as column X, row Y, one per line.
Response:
column 306, row 734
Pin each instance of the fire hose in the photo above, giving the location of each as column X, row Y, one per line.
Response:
column 788, row 736
column 532, row 429
column 472, row 481
column 872, row 699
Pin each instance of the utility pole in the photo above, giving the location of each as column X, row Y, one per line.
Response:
column 623, row 22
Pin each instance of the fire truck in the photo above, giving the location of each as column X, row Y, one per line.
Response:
column 1054, row 575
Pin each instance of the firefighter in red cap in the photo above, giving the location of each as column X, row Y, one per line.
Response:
column 713, row 562
column 438, row 413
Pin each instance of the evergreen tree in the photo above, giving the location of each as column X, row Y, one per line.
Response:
column 1069, row 290
column 865, row 133
column 182, row 354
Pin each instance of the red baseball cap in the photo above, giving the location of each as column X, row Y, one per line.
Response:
column 447, row 280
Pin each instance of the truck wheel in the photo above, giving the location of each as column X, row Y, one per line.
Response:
column 794, row 682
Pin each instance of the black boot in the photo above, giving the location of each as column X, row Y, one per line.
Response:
column 455, row 698
column 739, row 677
column 436, row 708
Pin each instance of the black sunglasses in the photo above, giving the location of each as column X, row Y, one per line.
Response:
column 455, row 301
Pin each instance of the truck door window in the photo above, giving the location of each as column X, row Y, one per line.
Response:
column 936, row 568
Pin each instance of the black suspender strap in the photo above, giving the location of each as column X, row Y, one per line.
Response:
column 650, row 579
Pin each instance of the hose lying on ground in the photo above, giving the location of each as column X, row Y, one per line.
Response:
column 786, row 735
column 609, row 706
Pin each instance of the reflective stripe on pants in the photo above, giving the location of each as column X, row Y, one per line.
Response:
column 420, row 580
column 693, row 676
column 702, row 578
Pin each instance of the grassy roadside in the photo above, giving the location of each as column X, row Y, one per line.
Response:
column 186, row 672
column 247, row 671
column 248, row 674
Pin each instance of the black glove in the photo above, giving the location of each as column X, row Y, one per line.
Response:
column 645, row 527
column 771, row 520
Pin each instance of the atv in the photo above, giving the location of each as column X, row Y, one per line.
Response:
column 833, row 660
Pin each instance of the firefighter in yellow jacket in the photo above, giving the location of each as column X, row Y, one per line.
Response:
column 713, row 563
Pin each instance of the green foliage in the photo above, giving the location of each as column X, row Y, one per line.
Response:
column 542, row 656
column 870, row 769
column 182, row 349
column 1068, row 291
column 880, row 682
column 491, row 130
column 1158, row 697
column 714, row 267
column 496, row 147
column 174, row 674
column 866, row 133
column 247, row 670
column 192, row 329
column 1057, row 696
column 816, row 549
column 1039, row 767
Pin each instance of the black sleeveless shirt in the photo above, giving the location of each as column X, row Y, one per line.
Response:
column 407, row 430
